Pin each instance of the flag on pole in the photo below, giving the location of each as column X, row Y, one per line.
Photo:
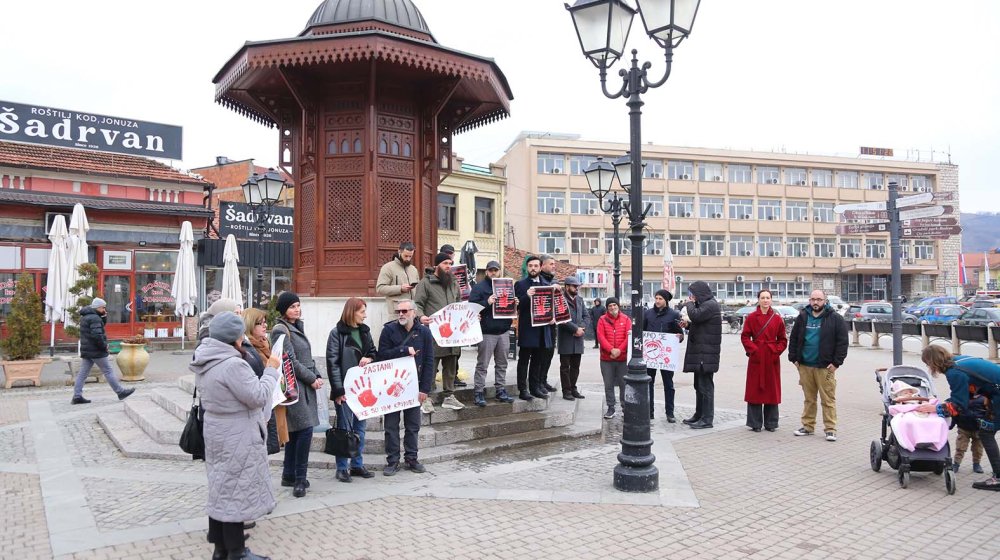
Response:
column 963, row 277
column 986, row 271
column 669, row 280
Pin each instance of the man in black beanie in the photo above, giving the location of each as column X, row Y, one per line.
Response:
column 437, row 290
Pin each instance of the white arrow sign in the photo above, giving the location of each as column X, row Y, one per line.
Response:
column 914, row 200
column 929, row 212
column 859, row 206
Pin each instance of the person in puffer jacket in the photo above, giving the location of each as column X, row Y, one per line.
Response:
column 613, row 330
column 704, row 347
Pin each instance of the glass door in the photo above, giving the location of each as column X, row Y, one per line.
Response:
column 117, row 291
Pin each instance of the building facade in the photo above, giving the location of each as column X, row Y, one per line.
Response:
column 739, row 220
column 470, row 208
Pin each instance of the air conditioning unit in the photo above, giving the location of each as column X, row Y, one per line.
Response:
column 657, row 251
column 773, row 181
column 830, row 254
column 593, row 251
column 656, row 175
column 556, row 171
column 855, row 255
column 655, row 213
column 557, row 250
column 687, row 214
column 800, row 278
column 775, row 254
column 719, row 253
column 772, row 217
column 557, row 210
column 626, row 251
column 802, row 183
column 717, row 215
column 817, row 218
column 768, row 279
column 717, row 178
column 815, row 183
column 881, row 254
column 877, row 187
column 805, row 218
column 739, row 278
column 748, row 253
column 746, row 216
column 924, row 189
column 686, row 177
column 688, row 252
column 592, row 211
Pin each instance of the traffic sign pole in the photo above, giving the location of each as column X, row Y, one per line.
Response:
column 895, row 254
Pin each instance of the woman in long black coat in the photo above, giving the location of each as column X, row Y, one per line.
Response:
column 704, row 347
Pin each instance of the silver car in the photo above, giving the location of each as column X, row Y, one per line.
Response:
column 879, row 311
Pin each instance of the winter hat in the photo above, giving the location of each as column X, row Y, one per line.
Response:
column 285, row 300
column 226, row 327
column 664, row 294
column 492, row 264
column 611, row 300
column 98, row 302
column 571, row 281
column 223, row 305
column 898, row 387
column 447, row 248
column 441, row 257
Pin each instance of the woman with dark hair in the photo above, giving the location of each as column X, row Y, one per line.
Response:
column 968, row 376
column 302, row 416
column 764, row 340
column 350, row 344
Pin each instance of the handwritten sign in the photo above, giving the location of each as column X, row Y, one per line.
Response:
column 457, row 324
column 661, row 350
column 461, row 273
column 382, row 387
column 504, row 307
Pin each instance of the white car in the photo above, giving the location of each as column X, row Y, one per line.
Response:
column 837, row 304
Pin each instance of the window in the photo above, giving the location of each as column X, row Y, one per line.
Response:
column 579, row 164
column 550, row 163
column 649, row 288
column 447, row 211
column 711, row 207
column 769, row 246
column 709, row 171
column 652, row 168
column 847, row 179
column 584, row 242
column 653, row 244
column 923, row 250
column 683, row 170
column 741, row 246
column 798, row 246
column 549, row 201
column 624, row 243
column 905, row 250
column 583, row 203
column 876, row 249
column 551, row 242
column 823, row 212
column 797, row 211
column 898, row 179
column 768, row 209
column 740, row 173
column 682, row 244
column 657, row 204
column 921, row 183
column 822, row 178
column 154, row 278
column 824, row 247
column 794, row 176
column 872, row 180
column 740, row 208
column 484, row 215
column 850, row 248
column 713, row 245
column 681, row 207
column 768, row 175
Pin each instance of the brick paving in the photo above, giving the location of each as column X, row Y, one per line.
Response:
column 24, row 534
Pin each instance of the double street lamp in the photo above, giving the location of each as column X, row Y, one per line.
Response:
column 262, row 192
column 602, row 27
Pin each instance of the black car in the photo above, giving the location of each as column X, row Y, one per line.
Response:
column 981, row 316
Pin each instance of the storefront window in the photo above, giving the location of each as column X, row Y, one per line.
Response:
column 153, row 302
column 158, row 261
column 7, row 282
column 275, row 281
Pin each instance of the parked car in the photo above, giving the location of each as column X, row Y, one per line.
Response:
column 919, row 307
column 942, row 314
column 986, row 303
column 838, row 304
column 877, row 311
column 788, row 314
column 982, row 316
column 966, row 301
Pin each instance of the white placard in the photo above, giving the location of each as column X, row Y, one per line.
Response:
column 457, row 325
column 661, row 350
column 117, row 260
column 382, row 387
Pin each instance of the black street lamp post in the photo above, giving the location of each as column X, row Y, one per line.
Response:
column 600, row 176
column 262, row 192
column 602, row 27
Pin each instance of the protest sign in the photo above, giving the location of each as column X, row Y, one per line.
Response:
column 560, row 307
column 461, row 273
column 285, row 391
column 457, row 324
column 504, row 306
column 542, row 302
column 382, row 387
column 661, row 350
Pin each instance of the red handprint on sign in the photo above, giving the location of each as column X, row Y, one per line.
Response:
column 363, row 390
column 444, row 328
column 400, row 380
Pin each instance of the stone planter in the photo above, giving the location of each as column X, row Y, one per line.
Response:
column 132, row 361
column 23, row 369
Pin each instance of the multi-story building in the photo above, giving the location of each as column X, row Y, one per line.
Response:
column 470, row 208
column 739, row 220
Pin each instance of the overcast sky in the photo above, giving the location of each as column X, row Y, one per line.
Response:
column 775, row 75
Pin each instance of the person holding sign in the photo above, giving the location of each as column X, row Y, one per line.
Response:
column 495, row 342
column 535, row 343
column 764, row 340
column 548, row 274
column 570, row 339
column 399, row 338
column 437, row 290
column 662, row 319
column 613, row 333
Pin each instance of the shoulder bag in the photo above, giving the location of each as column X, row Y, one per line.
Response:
column 192, row 437
column 342, row 441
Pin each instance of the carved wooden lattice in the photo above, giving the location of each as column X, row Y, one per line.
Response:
column 344, row 210
column 307, row 207
column 395, row 222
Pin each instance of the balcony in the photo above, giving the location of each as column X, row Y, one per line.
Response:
column 683, row 224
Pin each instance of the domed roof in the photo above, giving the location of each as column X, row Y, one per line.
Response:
column 401, row 13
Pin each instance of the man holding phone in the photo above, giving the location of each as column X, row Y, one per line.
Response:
column 398, row 277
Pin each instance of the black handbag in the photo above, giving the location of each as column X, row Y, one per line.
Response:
column 342, row 441
column 192, row 438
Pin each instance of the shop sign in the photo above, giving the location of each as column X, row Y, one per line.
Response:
column 117, row 260
column 36, row 124
column 156, row 292
column 7, row 291
column 240, row 220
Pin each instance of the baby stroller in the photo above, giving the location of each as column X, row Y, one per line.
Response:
column 887, row 449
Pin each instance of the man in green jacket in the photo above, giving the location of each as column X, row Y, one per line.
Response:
column 437, row 290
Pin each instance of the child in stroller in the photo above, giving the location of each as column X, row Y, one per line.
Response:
column 915, row 429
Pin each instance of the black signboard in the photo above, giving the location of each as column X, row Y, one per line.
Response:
column 240, row 220
column 36, row 124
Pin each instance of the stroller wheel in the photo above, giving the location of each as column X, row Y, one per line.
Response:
column 904, row 479
column 949, row 481
column 875, row 455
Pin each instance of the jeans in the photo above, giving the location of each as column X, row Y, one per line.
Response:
column 668, row 390
column 613, row 374
column 296, row 462
column 823, row 381
column 449, row 371
column 105, row 366
column 493, row 346
column 347, row 420
column 569, row 372
column 411, row 428
column 704, row 394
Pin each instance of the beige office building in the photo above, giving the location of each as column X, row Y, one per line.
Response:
column 739, row 220
column 470, row 208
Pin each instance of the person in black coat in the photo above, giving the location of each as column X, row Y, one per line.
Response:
column 400, row 338
column 350, row 344
column 535, row 343
column 596, row 312
column 94, row 350
column 662, row 319
column 704, row 347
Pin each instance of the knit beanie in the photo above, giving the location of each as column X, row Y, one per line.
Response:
column 611, row 300
column 222, row 305
column 441, row 257
column 98, row 302
column 665, row 295
column 226, row 327
column 285, row 300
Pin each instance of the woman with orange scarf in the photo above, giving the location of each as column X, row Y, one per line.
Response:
column 255, row 322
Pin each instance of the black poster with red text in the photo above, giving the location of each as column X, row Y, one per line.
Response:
column 542, row 303
column 461, row 273
column 504, row 306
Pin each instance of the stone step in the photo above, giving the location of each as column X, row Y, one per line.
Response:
column 173, row 400
column 159, row 424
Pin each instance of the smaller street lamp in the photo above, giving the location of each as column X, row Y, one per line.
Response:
column 262, row 192
column 600, row 177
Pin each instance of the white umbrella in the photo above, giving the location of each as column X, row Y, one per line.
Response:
column 78, row 249
column 231, row 272
column 669, row 279
column 55, row 284
column 184, row 289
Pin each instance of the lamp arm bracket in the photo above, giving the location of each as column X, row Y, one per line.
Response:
column 666, row 73
column 606, row 206
column 604, row 83
column 645, row 211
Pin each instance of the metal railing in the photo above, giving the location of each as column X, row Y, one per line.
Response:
column 957, row 334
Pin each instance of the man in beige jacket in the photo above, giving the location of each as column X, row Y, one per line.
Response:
column 398, row 277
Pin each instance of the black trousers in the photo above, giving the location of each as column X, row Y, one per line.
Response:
column 704, row 394
column 989, row 441
column 544, row 365
column 529, row 365
column 411, row 428
column 226, row 536
column 762, row 416
column 296, row 462
column 569, row 372
column 668, row 390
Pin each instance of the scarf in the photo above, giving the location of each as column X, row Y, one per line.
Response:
column 263, row 347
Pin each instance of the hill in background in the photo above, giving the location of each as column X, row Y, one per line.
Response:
column 980, row 232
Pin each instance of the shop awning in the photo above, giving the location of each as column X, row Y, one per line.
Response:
column 887, row 269
column 66, row 201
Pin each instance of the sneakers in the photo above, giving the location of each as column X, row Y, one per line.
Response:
column 79, row 400
column 977, row 468
column 391, row 469
column 803, row 432
column 451, row 403
column 831, row 436
column 460, row 383
column 414, row 466
column 610, row 413
column 479, row 399
column 427, row 407
column 124, row 394
column 954, row 467
column 503, row 397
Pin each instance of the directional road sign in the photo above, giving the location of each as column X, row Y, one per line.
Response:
column 866, row 215
column 849, row 229
column 949, row 196
column 931, row 232
column 840, row 208
column 923, row 222
column 926, row 212
column 922, row 198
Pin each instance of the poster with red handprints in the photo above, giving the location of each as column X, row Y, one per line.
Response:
column 542, row 302
column 461, row 273
column 382, row 387
column 457, row 324
column 661, row 350
column 560, row 307
column 504, row 306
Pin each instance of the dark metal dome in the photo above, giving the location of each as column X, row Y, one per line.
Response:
column 401, row 13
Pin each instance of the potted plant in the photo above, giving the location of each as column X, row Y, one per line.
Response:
column 24, row 335
column 133, row 358
column 86, row 284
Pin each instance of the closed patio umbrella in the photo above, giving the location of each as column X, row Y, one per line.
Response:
column 78, row 252
column 231, row 271
column 55, row 284
column 184, row 289
column 468, row 257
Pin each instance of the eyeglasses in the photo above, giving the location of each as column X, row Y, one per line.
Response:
column 258, row 323
column 816, row 299
column 403, row 311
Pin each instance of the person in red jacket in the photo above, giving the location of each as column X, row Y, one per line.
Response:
column 764, row 340
column 613, row 331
